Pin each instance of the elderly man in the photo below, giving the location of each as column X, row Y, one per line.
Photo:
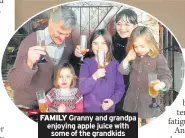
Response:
column 28, row 74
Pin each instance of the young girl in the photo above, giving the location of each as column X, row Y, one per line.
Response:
column 64, row 97
column 143, row 57
column 101, row 88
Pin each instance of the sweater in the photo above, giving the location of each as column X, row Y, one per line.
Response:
column 73, row 101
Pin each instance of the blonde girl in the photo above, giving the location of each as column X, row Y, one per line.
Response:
column 143, row 58
column 64, row 97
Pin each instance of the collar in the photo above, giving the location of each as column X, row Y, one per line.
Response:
column 144, row 56
column 49, row 41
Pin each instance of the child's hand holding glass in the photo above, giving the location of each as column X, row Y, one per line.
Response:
column 155, row 86
column 158, row 85
column 106, row 104
column 99, row 73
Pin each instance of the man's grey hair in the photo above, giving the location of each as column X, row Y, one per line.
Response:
column 66, row 14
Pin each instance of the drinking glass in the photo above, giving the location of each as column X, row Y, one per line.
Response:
column 41, row 98
column 83, row 45
column 41, row 42
column 101, row 58
column 152, row 80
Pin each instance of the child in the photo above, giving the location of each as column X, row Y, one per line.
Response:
column 64, row 97
column 102, row 88
column 125, row 22
column 143, row 57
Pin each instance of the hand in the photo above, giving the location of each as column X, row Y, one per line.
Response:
column 131, row 55
column 78, row 51
column 62, row 108
column 106, row 104
column 34, row 54
column 158, row 85
column 99, row 73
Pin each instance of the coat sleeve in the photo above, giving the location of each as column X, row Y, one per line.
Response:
column 124, row 68
column 119, row 89
column 86, row 83
column 20, row 75
column 163, row 72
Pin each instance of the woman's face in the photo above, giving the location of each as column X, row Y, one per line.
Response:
column 141, row 46
column 65, row 78
column 124, row 28
column 99, row 44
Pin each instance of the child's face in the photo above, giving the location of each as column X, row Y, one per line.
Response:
column 66, row 78
column 99, row 43
column 141, row 46
column 124, row 28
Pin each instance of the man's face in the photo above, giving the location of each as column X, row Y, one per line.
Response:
column 57, row 31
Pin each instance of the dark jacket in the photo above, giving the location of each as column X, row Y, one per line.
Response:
column 119, row 52
column 119, row 47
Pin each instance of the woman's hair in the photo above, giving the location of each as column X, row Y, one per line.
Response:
column 108, row 39
column 57, row 74
column 128, row 14
column 145, row 33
